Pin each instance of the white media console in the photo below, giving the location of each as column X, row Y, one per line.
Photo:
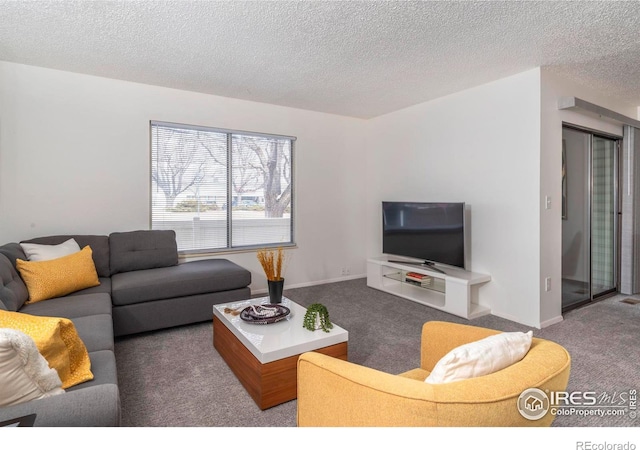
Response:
column 455, row 291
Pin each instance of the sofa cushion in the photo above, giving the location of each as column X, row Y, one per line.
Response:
column 58, row 341
column 190, row 278
column 482, row 357
column 60, row 276
column 93, row 406
column 143, row 249
column 103, row 366
column 96, row 331
column 99, row 247
column 13, row 291
column 71, row 306
column 43, row 252
column 103, row 288
column 24, row 372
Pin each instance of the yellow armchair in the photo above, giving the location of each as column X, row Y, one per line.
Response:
column 335, row 393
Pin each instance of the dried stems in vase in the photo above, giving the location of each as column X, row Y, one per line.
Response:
column 272, row 262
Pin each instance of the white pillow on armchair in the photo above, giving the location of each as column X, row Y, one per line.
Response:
column 482, row 357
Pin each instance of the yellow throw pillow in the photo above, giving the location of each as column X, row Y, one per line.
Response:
column 58, row 341
column 60, row 276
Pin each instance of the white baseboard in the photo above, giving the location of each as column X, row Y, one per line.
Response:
column 544, row 324
column 311, row 283
column 551, row 321
column 512, row 319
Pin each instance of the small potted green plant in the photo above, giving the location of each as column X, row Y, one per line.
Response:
column 317, row 318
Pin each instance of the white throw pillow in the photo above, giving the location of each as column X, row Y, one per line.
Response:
column 482, row 357
column 42, row 252
column 24, row 372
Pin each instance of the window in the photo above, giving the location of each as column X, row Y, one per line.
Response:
column 221, row 189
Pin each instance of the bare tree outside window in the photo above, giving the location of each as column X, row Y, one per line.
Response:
column 179, row 163
column 265, row 164
column 221, row 189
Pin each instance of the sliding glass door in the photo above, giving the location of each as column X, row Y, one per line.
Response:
column 576, row 218
column 589, row 213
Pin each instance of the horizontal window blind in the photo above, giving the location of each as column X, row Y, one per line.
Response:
column 221, row 189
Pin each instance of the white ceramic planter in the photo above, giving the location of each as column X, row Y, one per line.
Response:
column 318, row 325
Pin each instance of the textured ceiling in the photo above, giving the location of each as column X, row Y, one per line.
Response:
column 358, row 59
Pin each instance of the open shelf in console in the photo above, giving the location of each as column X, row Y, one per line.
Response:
column 424, row 282
column 395, row 282
column 455, row 291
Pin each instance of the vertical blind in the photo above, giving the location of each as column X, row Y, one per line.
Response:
column 221, row 189
column 603, row 232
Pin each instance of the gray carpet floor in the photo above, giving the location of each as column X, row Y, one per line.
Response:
column 175, row 378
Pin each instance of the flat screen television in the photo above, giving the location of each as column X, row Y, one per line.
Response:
column 431, row 232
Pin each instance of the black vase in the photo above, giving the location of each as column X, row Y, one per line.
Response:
column 275, row 290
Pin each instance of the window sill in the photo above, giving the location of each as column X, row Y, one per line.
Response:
column 194, row 254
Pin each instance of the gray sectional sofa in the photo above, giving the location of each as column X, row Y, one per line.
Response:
column 143, row 287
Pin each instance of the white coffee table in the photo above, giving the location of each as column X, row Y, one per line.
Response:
column 265, row 357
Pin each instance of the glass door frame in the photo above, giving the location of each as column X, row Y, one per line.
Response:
column 617, row 212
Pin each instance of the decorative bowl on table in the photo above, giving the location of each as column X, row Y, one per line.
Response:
column 264, row 314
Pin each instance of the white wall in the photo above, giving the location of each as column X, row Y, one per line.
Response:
column 554, row 87
column 480, row 146
column 75, row 158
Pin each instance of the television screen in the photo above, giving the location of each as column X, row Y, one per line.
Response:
column 432, row 232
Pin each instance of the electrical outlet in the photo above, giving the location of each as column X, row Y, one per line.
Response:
column 346, row 271
column 547, row 284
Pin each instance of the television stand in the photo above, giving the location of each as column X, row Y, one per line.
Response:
column 426, row 264
column 455, row 291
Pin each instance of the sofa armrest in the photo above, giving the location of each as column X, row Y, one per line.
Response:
column 95, row 406
column 337, row 393
column 439, row 338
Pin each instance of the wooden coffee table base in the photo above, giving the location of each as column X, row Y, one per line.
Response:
column 268, row 384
